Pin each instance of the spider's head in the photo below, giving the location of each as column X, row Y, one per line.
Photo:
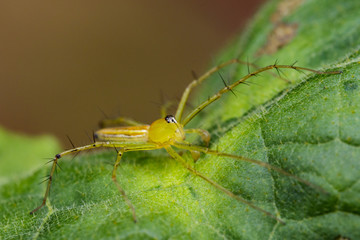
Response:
column 166, row 131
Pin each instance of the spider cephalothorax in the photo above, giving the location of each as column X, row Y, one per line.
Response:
column 166, row 131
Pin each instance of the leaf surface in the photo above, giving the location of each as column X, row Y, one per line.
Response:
column 308, row 128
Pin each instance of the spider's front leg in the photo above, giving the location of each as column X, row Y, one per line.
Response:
column 55, row 164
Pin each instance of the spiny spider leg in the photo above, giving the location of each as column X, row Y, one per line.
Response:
column 177, row 157
column 191, row 147
column 216, row 96
column 122, row 146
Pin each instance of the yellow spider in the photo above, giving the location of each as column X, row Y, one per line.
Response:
column 168, row 132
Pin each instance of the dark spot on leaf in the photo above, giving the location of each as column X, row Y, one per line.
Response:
column 158, row 187
column 350, row 85
column 192, row 192
column 188, row 174
column 342, row 238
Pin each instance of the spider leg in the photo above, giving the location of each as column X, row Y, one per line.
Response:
column 121, row 190
column 205, row 135
column 177, row 157
column 55, row 163
column 216, row 96
column 191, row 147
column 126, row 147
column 197, row 81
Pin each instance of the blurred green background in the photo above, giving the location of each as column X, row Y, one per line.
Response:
column 60, row 62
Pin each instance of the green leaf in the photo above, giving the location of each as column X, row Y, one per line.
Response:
column 22, row 155
column 309, row 128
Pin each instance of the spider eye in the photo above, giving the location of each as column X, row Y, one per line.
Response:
column 170, row 119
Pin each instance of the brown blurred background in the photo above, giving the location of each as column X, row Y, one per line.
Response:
column 62, row 61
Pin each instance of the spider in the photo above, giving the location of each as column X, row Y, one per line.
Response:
column 169, row 132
